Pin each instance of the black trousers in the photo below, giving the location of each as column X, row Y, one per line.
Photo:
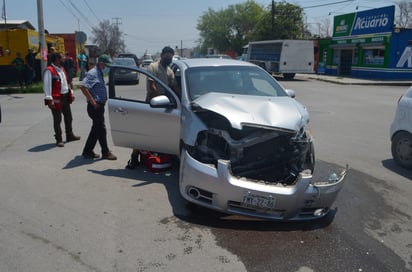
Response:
column 68, row 118
column 98, row 130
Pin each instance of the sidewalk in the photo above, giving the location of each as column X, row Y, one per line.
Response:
column 353, row 81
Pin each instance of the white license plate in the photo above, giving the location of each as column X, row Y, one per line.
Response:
column 257, row 201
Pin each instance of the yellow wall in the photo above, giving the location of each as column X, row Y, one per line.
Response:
column 57, row 42
column 20, row 40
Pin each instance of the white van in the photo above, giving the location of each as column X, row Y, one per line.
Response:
column 286, row 57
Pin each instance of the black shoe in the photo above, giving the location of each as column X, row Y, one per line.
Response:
column 60, row 144
column 133, row 162
column 90, row 155
column 72, row 137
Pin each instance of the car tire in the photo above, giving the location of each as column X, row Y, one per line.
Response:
column 289, row 76
column 402, row 149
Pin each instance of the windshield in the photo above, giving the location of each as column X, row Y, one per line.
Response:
column 231, row 80
column 124, row 61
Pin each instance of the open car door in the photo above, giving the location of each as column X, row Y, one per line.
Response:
column 135, row 123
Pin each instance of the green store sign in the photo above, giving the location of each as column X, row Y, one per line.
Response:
column 379, row 20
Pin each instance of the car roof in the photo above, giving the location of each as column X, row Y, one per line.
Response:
column 219, row 56
column 206, row 62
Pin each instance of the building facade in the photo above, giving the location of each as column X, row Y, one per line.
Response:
column 367, row 45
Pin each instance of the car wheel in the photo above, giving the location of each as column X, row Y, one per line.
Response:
column 402, row 149
column 289, row 76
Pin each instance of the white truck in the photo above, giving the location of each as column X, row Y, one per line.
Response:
column 286, row 57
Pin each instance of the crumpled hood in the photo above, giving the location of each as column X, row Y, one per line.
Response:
column 278, row 112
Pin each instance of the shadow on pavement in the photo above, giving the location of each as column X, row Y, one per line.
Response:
column 205, row 217
column 391, row 165
column 79, row 161
column 41, row 148
column 194, row 214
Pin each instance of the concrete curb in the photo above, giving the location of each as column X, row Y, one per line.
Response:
column 352, row 81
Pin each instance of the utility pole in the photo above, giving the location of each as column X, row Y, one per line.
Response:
column 118, row 21
column 4, row 16
column 273, row 18
column 42, row 37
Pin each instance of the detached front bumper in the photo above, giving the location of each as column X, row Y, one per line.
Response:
column 217, row 189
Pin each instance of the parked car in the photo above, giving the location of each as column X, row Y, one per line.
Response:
column 130, row 55
column 243, row 141
column 401, row 131
column 146, row 60
column 122, row 75
column 218, row 56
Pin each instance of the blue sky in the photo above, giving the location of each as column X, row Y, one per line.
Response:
column 151, row 24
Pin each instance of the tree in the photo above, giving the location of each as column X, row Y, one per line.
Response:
column 233, row 27
column 287, row 23
column 108, row 38
column 404, row 18
column 229, row 29
column 321, row 29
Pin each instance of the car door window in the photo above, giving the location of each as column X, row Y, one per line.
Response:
column 127, row 84
column 130, row 115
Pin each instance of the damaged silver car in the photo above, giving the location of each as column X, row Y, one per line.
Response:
column 243, row 141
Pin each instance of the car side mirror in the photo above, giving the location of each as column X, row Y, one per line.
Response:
column 161, row 101
column 291, row 93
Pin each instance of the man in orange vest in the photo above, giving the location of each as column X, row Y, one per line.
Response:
column 58, row 97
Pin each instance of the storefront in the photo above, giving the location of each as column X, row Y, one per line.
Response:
column 367, row 45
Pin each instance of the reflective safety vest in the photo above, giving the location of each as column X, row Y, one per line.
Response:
column 56, row 86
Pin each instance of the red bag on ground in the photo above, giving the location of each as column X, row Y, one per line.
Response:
column 156, row 162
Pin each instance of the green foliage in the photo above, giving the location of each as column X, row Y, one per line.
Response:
column 287, row 23
column 233, row 27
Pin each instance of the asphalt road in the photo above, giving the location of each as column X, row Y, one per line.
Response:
column 60, row 212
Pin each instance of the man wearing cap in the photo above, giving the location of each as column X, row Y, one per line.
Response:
column 94, row 88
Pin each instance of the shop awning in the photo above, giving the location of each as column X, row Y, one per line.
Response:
column 348, row 45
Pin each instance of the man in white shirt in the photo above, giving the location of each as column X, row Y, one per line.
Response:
column 58, row 96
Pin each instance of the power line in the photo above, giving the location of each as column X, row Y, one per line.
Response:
column 328, row 4
column 74, row 14
column 92, row 11
column 81, row 14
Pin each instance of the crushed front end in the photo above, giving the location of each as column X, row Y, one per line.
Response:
column 258, row 170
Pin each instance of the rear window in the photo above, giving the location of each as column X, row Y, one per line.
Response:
column 124, row 61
